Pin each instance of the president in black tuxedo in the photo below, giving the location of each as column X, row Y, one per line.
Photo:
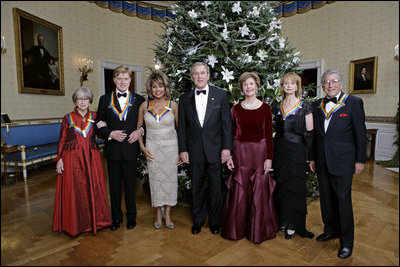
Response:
column 338, row 151
column 205, row 141
column 117, row 118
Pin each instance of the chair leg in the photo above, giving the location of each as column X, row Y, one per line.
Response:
column 23, row 159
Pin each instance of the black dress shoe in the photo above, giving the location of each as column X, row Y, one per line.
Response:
column 131, row 224
column 305, row 233
column 196, row 229
column 345, row 252
column 115, row 225
column 214, row 229
column 325, row 236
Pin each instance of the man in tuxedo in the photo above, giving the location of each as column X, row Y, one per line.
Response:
column 36, row 64
column 205, row 141
column 338, row 151
column 363, row 82
column 117, row 118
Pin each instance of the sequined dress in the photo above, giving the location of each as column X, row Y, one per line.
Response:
column 162, row 142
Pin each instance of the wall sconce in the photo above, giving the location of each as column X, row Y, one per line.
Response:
column 3, row 45
column 86, row 67
column 396, row 52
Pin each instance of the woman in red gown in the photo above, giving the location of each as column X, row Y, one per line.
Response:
column 249, row 208
column 81, row 201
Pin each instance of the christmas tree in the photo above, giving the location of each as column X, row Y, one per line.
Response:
column 232, row 38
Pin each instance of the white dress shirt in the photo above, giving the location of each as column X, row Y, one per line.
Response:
column 201, row 104
column 364, row 78
column 122, row 101
column 328, row 107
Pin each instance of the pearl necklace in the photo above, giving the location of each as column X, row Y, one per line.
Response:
column 250, row 106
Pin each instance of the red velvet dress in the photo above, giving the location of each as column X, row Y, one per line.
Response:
column 81, row 201
column 249, row 205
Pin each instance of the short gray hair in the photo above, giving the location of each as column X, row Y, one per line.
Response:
column 332, row 72
column 200, row 64
column 83, row 92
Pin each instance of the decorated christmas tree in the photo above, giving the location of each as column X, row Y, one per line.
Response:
column 232, row 38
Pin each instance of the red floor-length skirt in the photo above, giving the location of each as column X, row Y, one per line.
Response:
column 81, row 201
column 249, row 205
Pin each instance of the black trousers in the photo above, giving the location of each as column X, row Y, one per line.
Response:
column 336, row 206
column 198, row 172
column 117, row 171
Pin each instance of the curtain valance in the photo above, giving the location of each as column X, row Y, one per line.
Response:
column 137, row 9
column 162, row 13
column 290, row 8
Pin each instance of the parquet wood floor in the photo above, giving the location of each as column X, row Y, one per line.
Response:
column 27, row 239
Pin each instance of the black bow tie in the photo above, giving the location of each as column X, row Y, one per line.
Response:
column 201, row 91
column 327, row 100
column 119, row 95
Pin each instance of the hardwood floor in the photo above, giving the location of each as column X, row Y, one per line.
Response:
column 27, row 238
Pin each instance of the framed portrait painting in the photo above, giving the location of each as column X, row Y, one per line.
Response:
column 363, row 75
column 39, row 55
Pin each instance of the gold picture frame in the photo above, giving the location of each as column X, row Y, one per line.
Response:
column 39, row 55
column 363, row 75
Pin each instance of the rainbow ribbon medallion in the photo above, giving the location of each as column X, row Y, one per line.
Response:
column 86, row 129
column 114, row 109
column 162, row 114
column 339, row 105
column 290, row 112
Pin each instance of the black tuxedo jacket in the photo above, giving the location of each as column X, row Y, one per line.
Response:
column 119, row 150
column 361, row 84
column 216, row 133
column 344, row 142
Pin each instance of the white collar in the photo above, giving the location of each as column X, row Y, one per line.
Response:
column 118, row 91
column 337, row 96
column 205, row 89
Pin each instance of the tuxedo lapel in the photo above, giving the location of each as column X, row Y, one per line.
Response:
column 332, row 121
column 133, row 102
column 335, row 116
column 192, row 104
column 116, row 102
column 210, row 104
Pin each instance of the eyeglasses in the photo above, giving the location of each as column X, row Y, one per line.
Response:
column 333, row 81
column 82, row 99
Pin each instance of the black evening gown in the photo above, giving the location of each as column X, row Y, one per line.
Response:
column 290, row 166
